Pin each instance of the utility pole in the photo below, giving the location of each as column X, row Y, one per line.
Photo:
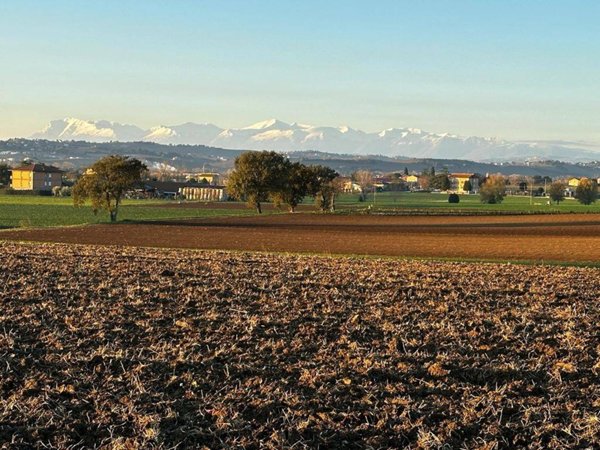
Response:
column 531, row 194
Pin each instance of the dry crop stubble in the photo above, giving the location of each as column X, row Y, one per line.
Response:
column 140, row 348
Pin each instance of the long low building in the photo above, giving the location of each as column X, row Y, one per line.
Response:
column 185, row 190
column 204, row 193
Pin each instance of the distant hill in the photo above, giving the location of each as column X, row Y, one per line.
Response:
column 81, row 154
column 277, row 135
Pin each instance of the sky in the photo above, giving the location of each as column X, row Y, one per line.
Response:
column 517, row 70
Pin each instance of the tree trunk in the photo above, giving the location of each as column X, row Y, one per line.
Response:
column 113, row 215
column 258, row 208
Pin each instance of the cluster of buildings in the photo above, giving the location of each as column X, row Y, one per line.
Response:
column 207, row 186
column 572, row 184
column 189, row 190
column 202, row 186
column 462, row 183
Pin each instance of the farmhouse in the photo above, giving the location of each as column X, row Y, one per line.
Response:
column 412, row 181
column 381, row 183
column 350, row 186
column 211, row 178
column 573, row 184
column 35, row 177
column 458, row 180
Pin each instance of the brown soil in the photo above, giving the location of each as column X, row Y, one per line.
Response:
column 574, row 237
column 130, row 348
column 225, row 205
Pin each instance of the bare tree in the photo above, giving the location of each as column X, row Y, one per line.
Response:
column 364, row 178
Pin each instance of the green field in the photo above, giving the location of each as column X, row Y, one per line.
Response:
column 36, row 211
column 406, row 201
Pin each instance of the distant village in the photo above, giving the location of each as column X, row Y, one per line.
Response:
column 44, row 179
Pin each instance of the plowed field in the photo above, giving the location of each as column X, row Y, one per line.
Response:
column 570, row 237
column 146, row 348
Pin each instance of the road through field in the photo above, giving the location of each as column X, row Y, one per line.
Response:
column 572, row 237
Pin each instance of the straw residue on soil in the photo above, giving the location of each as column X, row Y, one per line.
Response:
column 138, row 348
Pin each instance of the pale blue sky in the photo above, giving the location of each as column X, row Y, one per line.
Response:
column 513, row 69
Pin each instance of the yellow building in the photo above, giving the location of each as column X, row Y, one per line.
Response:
column 208, row 177
column 351, row 186
column 573, row 182
column 35, row 177
column 458, row 180
column 412, row 182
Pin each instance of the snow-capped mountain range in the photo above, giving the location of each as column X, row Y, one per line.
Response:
column 274, row 134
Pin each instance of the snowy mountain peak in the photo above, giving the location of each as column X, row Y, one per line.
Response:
column 71, row 128
column 270, row 123
column 274, row 134
column 160, row 134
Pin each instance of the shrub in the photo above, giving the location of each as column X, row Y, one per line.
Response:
column 453, row 198
column 11, row 191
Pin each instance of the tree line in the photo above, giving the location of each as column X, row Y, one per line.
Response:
column 493, row 190
column 269, row 176
column 259, row 177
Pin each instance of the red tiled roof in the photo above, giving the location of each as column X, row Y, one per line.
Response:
column 39, row 168
column 462, row 175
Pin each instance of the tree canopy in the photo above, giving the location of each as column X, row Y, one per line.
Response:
column 430, row 180
column 295, row 185
column 324, row 185
column 106, row 181
column 556, row 192
column 440, row 181
column 493, row 189
column 4, row 174
column 587, row 191
column 258, row 177
column 261, row 176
